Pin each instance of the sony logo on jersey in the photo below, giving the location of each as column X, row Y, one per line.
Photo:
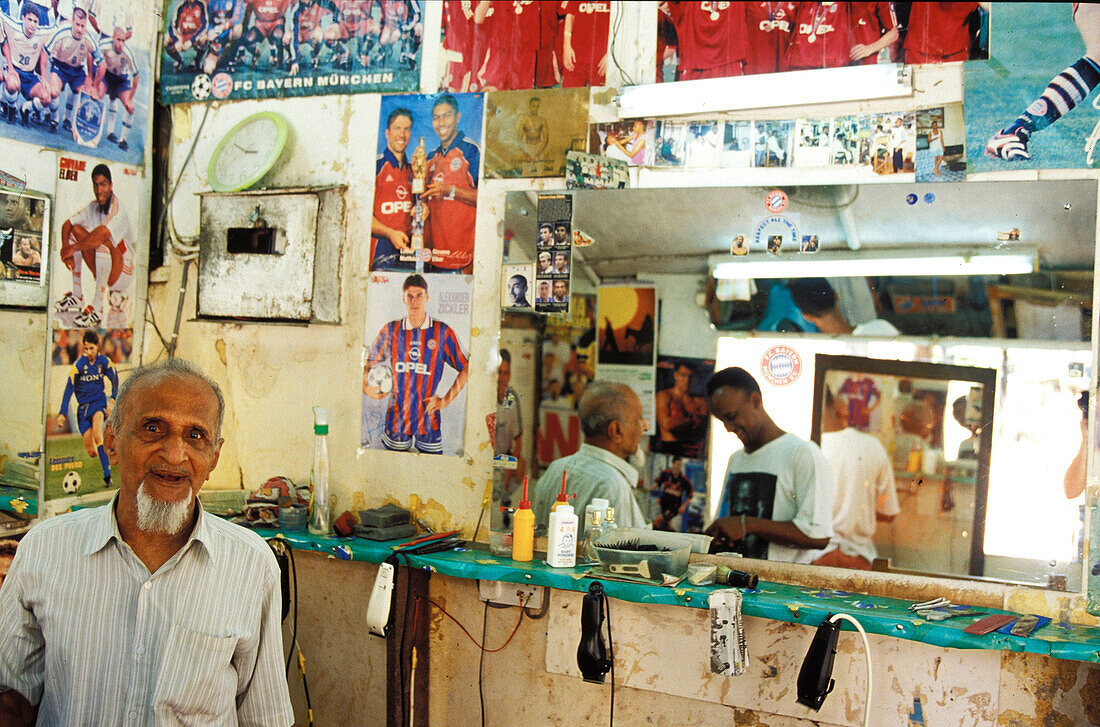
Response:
column 401, row 367
column 596, row 7
column 807, row 29
column 769, row 25
column 400, row 206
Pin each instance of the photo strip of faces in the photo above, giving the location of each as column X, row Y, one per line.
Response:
column 554, row 253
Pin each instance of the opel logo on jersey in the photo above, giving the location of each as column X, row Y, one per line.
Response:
column 414, row 352
column 589, row 8
column 401, row 191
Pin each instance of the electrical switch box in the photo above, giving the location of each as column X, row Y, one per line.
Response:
column 511, row 594
column 271, row 254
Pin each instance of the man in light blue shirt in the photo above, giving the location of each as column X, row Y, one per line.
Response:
column 147, row 611
column 612, row 422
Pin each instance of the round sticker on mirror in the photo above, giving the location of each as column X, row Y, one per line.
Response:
column 781, row 365
column 775, row 201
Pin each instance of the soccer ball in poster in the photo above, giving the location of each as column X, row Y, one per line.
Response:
column 70, row 483
column 381, row 378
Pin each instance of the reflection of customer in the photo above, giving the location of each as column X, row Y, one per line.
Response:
column 864, row 490
column 676, row 491
column 681, row 417
column 416, row 348
column 199, row 641
column 789, row 475
column 1074, row 481
column 817, row 300
column 611, row 418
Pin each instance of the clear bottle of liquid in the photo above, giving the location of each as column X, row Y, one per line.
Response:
column 320, row 520
column 592, row 532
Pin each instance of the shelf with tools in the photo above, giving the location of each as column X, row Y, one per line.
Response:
column 775, row 601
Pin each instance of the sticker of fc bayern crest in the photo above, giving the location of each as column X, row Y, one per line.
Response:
column 84, row 78
column 234, row 49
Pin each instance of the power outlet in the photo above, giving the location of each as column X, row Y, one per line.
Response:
column 511, row 594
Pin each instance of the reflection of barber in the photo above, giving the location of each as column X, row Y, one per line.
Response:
column 676, row 491
column 790, row 478
column 817, row 300
column 681, row 417
column 864, row 490
column 613, row 423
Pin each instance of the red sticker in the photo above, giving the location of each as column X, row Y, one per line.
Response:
column 775, row 201
column 781, row 365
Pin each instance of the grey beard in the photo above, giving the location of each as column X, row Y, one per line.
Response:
column 157, row 516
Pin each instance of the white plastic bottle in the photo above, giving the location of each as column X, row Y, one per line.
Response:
column 561, row 546
column 320, row 520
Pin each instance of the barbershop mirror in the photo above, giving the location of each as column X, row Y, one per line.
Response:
column 1033, row 328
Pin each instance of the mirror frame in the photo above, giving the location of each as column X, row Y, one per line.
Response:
column 987, row 378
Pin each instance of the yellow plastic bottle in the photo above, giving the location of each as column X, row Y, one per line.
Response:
column 523, row 529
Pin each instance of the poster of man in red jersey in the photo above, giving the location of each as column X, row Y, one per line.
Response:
column 415, row 364
column 714, row 38
column 512, row 45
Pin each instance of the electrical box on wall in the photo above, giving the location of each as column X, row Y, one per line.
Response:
column 271, row 254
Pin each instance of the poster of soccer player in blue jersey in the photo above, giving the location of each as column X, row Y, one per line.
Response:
column 234, row 49
column 426, row 182
column 415, row 362
column 1028, row 106
column 77, row 77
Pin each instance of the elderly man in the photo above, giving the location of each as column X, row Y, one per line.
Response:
column 146, row 611
column 612, row 422
column 777, row 500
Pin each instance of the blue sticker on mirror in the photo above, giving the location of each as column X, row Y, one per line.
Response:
column 929, row 198
column 911, row 198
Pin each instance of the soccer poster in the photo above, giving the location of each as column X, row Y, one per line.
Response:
column 626, row 340
column 85, row 78
column 528, row 133
column 415, row 364
column 24, row 235
column 591, row 171
column 677, row 493
column 1028, row 107
column 234, row 49
column 523, row 44
column 555, row 253
column 714, row 39
column 682, row 417
column 426, row 182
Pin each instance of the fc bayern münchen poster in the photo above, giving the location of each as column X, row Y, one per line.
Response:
column 416, row 362
column 85, row 77
column 236, row 49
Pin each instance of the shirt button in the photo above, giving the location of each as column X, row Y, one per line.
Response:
column 140, row 650
column 148, row 585
column 131, row 716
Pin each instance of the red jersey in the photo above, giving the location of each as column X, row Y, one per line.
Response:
column 591, row 25
column 458, row 35
column 938, row 32
column 309, row 19
column 394, row 12
column 393, row 204
column 353, row 16
column 768, row 27
column 267, row 14
column 712, row 36
column 822, row 37
column 451, row 222
column 545, row 60
column 513, row 43
column 870, row 21
column 190, row 19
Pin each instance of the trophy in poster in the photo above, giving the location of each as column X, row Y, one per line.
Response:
column 416, row 231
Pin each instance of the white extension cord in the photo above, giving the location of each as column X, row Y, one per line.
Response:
column 867, row 653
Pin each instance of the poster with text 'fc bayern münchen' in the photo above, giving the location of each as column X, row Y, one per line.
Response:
column 236, row 49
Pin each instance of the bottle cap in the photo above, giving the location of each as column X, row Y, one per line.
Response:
column 525, row 504
column 610, row 514
column 320, row 420
column 600, row 503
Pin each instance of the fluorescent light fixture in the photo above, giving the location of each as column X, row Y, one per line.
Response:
column 846, row 263
column 765, row 90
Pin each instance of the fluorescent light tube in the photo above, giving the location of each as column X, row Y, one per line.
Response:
column 1007, row 261
column 765, row 90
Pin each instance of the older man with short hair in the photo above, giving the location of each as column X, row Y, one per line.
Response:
column 613, row 424
column 148, row 610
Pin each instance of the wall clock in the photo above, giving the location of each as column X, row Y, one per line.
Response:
column 248, row 152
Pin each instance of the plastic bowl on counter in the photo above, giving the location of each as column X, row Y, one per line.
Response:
column 670, row 557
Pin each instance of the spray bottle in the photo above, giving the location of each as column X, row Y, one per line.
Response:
column 523, row 529
column 320, row 521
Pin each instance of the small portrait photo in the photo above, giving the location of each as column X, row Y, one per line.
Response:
column 560, row 290
column 543, row 290
column 774, row 243
column 546, row 234
column 736, row 148
column 739, row 245
column 773, row 143
column 561, row 262
column 561, row 233
column 810, row 243
column 546, row 262
column 515, row 287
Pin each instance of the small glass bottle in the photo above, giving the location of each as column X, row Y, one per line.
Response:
column 592, row 532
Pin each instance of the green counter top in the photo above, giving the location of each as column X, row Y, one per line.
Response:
column 775, row 601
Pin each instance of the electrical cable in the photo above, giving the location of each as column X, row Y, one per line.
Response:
column 627, row 80
column 281, row 547
column 610, row 655
column 481, row 661
column 867, row 653
column 470, row 636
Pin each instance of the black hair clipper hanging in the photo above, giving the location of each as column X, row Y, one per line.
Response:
column 593, row 658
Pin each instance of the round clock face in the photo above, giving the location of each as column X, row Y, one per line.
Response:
column 247, row 152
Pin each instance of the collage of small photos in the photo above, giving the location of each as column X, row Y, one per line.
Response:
column 22, row 218
column 929, row 143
